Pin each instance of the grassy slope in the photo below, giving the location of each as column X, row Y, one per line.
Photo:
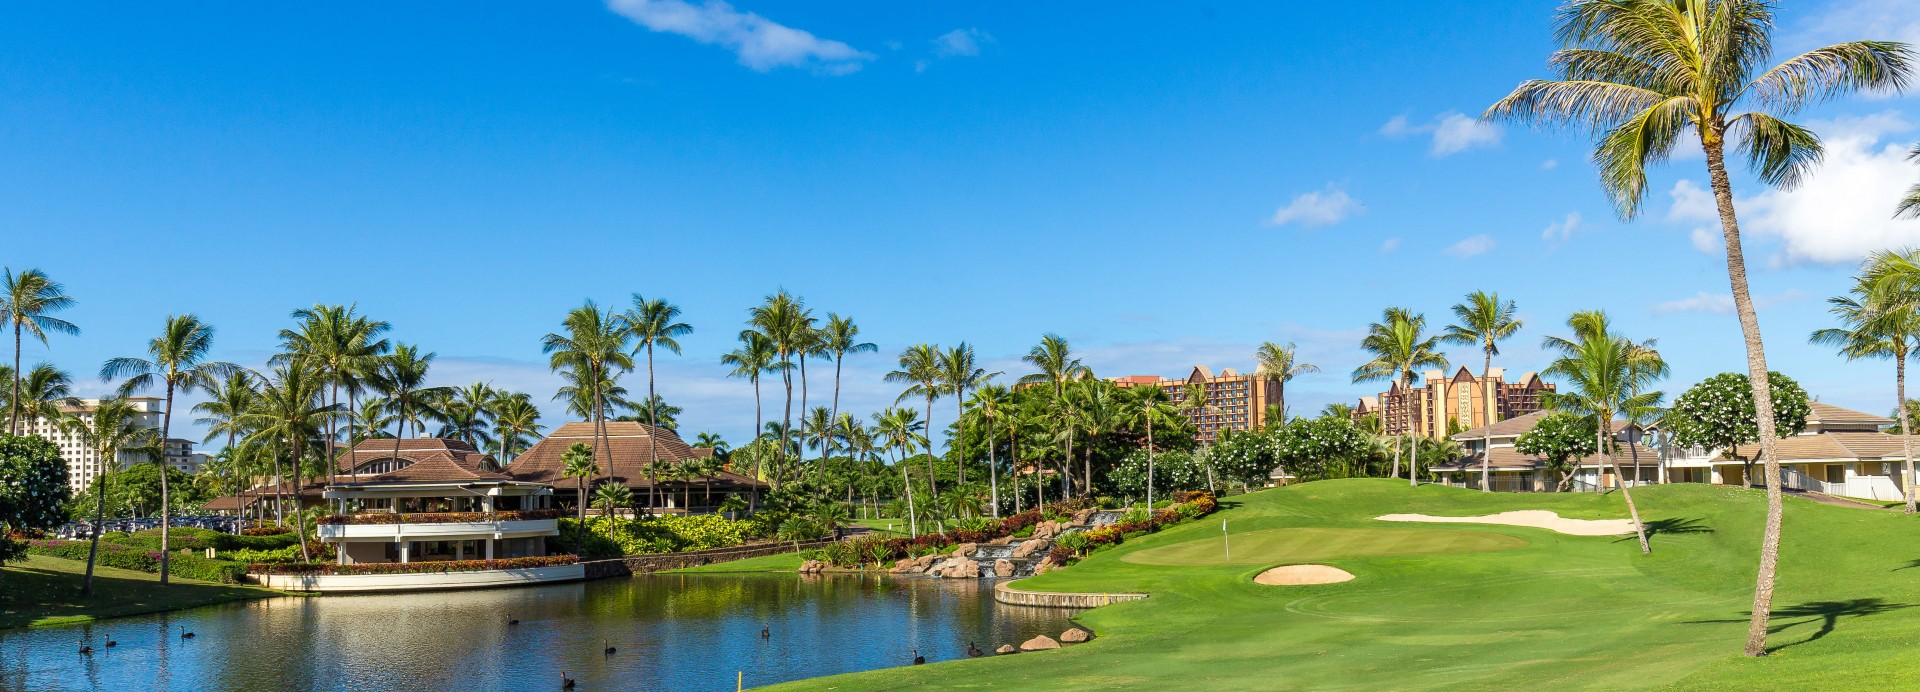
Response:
column 45, row 591
column 1564, row 611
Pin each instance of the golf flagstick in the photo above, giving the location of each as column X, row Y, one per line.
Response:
column 1224, row 542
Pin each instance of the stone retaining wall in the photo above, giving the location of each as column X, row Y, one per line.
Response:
column 640, row 564
column 1004, row 593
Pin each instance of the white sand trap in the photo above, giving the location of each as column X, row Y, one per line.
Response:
column 1297, row 575
column 1532, row 518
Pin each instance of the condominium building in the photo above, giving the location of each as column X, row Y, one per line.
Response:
column 83, row 462
column 1233, row 401
column 1442, row 404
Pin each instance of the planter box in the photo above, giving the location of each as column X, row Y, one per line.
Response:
column 362, row 583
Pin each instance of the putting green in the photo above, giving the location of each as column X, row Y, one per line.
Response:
column 1269, row 546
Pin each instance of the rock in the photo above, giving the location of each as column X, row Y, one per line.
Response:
column 1081, row 517
column 1039, row 643
column 1002, row 568
column 812, row 567
column 964, row 549
column 1006, row 649
column 1044, row 567
column 1044, row 530
column 971, row 570
column 1003, row 540
column 958, row 567
column 1075, row 636
column 903, row 565
column 1030, row 547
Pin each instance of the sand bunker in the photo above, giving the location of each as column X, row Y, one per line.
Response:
column 1297, row 575
column 1533, row 518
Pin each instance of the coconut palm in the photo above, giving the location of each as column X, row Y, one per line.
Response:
column 227, row 401
column 593, row 348
column 1281, row 364
column 610, row 496
column 466, row 414
column 578, row 463
column 817, row 427
column 650, row 323
column 959, row 371
column 785, row 321
column 177, row 363
column 1483, row 321
column 901, row 427
column 515, row 420
column 920, row 369
column 345, row 347
column 840, row 337
column 663, row 415
column 43, row 392
column 1643, row 74
column 291, row 410
column 1057, row 365
column 754, row 357
column 1605, row 374
column 1146, row 406
column 1399, row 344
column 27, row 301
column 402, row 378
column 1881, row 320
column 115, row 428
column 713, row 441
column 991, row 403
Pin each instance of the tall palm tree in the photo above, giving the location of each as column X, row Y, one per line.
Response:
column 1101, row 412
column 227, row 401
column 1399, row 343
column 920, row 369
column 177, row 362
column 901, row 427
column 753, row 358
column 43, row 391
column 292, row 409
column 1881, row 320
column 959, row 371
column 515, row 418
column 610, row 496
column 840, row 337
column 713, row 441
column 1148, row 405
column 1605, row 374
column 345, row 347
column 817, row 426
column 1643, row 74
column 402, row 379
column 1484, row 320
column 115, row 428
column 27, row 302
column 654, row 322
column 1281, row 364
column 785, row 321
column 991, row 402
column 578, row 463
column 468, row 411
column 594, row 347
column 1054, row 358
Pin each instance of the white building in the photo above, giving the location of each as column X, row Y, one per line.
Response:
column 83, row 462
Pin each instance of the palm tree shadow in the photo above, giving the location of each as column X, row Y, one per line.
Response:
column 1675, row 526
column 1827, row 613
column 1910, row 565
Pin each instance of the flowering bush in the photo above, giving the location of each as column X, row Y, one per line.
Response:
column 434, row 567
column 1193, row 505
column 268, row 530
column 375, row 518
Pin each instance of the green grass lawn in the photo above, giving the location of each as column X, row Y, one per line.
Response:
column 1478, row 607
column 45, row 591
column 898, row 526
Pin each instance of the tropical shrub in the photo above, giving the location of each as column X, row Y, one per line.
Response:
column 33, row 489
column 186, row 565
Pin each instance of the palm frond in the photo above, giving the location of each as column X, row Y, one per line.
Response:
column 1593, row 104
column 1780, row 152
column 1646, row 138
column 1823, row 73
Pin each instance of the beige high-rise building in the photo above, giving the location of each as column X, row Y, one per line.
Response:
column 83, row 462
column 1234, row 401
column 1460, row 402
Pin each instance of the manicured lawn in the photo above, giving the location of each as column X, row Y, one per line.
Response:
column 45, row 591
column 784, row 562
column 1509, row 607
column 894, row 525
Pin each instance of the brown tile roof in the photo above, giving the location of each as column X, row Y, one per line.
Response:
column 628, row 444
column 1831, row 446
column 1511, row 427
column 1827, row 414
column 1507, row 458
column 431, row 459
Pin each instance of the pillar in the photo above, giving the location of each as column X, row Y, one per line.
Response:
column 459, row 550
column 489, row 548
column 405, row 553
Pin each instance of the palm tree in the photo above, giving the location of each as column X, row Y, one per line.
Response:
column 43, row 391
column 656, row 470
column 178, row 363
column 1399, row 344
column 113, row 429
column 990, row 402
column 754, row 357
column 515, row 418
column 654, row 323
column 610, row 496
column 1910, row 205
column 713, row 441
column 578, row 463
column 785, row 321
column 345, row 347
column 1642, row 74
column 1281, row 364
column 1148, row 405
column 1484, row 321
column 402, row 379
column 960, row 371
column 841, row 337
column 27, row 301
column 292, row 409
column 1605, row 374
column 1880, row 320
column 229, row 400
column 594, row 349
column 901, row 427
column 817, row 426
column 920, row 369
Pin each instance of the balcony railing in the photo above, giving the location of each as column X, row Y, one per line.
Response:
column 373, row 518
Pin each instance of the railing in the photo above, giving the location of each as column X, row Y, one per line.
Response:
column 1793, row 479
column 376, row 518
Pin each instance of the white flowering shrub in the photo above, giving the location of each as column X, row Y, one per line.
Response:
column 1718, row 413
column 33, row 488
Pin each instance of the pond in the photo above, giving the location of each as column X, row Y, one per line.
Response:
column 672, row 632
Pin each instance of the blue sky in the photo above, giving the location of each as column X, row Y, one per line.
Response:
column 1164, row 186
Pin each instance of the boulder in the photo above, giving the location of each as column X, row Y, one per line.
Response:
column 1003, row 540
column 1039, row 643
column 1030, row 547
column 958, row 567
column 971, row 570
column 812, row 567
column 1044, row 567
column 1075, row 636
column 1044, row 530
column 1081, row 517
column 1006, row 649
column 964, row 549
column 903, row 565
column 1002, row 568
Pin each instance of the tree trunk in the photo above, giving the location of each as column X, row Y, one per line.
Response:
column 1149, row 459
column 13, row 402
column 993, row 471
column 759, row 460
column 1762, row 391
column 166, row 506
column 835, row 416
column 933, row 486
column 1620, row 481
column 786, row 418
column 1404, row 408
column 653, row 417
column 1906, row 431
column 1486, row 442
column 960, row 435
column 93, row 550
column 299, row 517
column 913, row 517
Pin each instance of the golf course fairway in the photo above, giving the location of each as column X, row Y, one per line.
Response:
column 1477, row 606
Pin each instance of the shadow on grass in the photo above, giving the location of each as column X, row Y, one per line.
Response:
column 1826, row 613
column 1675, row 526
column 1910, row 565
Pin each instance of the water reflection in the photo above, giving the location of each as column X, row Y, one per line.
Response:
column 678, row 632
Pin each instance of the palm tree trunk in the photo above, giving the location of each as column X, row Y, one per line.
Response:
column 960, row 435
column 299, row 517
column 1408, row 410
column 759, row 460
column 786, row 417
column 933, row 486
column 1620, row 482
column 166, row 509
column 653, row 417
column 13, row 403
column 93, row 550
column 993, row 473
column 1906, row 431
column 353, row 445
column 1486, row 442
column 1711, row 140
column 836, row 389
column 913, row 517
column 1149, row 459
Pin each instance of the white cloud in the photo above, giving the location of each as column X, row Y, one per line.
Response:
column 1721, row 303
column 1549, row 164
column 1469, row 247
column 1563, row 229
column 1452, row 132
column 1389, row 245
column 1318, row 208
column 759, row 43
column 1841, row 213
column 1854, row 20
column 960, row 43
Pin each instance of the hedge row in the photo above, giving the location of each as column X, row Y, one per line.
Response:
column 184, row 565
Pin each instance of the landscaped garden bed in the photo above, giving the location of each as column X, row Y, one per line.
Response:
column 429, row 567
column 376, row 518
